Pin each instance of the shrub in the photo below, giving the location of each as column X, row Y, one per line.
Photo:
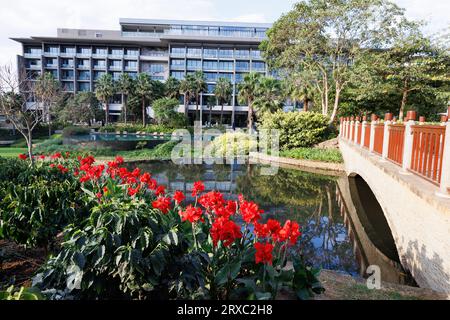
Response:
column 325, row 155
column 233, row 143
column 165, row 113
column 75, row 131
column 297, row 129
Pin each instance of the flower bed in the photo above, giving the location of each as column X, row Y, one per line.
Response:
column 139, row 242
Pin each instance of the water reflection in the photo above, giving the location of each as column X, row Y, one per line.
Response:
column 329, row 238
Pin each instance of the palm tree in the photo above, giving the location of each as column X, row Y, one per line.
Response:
column 298, row 90
column 125, row 86
column 199, row 87
column 223, row 92
column 269, row 97
column 187, row 89
column 144, row 91
column 47, row 90
column 247, row 94
column 104, row 91
column 172, row 88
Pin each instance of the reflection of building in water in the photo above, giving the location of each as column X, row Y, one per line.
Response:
column 360, row 233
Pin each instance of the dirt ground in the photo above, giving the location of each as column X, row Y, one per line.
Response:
column 18, row 265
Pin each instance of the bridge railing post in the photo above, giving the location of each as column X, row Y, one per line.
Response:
column 341, row 127
column 352, row 129
column 372, row 132
column 357, row 124
column 445, row 176
column 387, row 121
column 363, row 130
column 408, row 144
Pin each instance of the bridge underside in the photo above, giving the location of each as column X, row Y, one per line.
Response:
column 419, row 220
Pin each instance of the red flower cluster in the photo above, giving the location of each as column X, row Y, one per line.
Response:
column 263, row 253
column 198, row 188
column 225, row 230
column 23, row 157
column 250, row 211
column 178, row 196
column 192, row 214
column 62, row 169
column 162, row 204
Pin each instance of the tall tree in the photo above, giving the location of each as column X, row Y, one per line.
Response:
column 200, row 86
column 269, row 95
column 104, row 91
column 172, row 88
column 47, row 90
column 144, row 91
column 82, row 107
column 223, row 92
column 322, row 39
column 187, row 87
column 247, row 94
column 298, row 88
column 125, row 85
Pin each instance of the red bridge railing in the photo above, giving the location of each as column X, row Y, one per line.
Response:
column 420, row 148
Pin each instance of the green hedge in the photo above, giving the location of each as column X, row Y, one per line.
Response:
column 297, row 129
column 75, row 131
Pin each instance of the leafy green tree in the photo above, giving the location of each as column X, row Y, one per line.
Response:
column 144, row 91
column 223, row 92
column 158, row 89
column 104, row 91
column 320, row 39
column 269, row 95
column 247, row 94
column 165, row 112
column 126, row 86
column 297, row 88
column 47, row 90
column 82, row 107
column 199, row 82
column 187, row 88
column 172, row 88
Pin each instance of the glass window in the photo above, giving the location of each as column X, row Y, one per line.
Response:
column 98, row 74
column 52, row 49
column 84, row 75
column 67, row 63
column 258, row 66
column 256, row 53
column 242, row 53
column 54, row 73
column 33, row 50
column 51, row 62
column 240, row 77
column 228, row 76
column 67, row 86
column 177, row 63
column 177, row 75
column 211, row 76
column 242, row 65
column 226, row 53
column 99, row 63
column 178, row 51
column 133, row 75
column 101, row 51
column 194, row 52
column 84, row 50
column 115, row 64
column 210, row 65
column 194, row 64
column 33, row 63
column 156, row 68
column 83, row 63
column 211, row 88
column 210, row 52
column 116, row 75
column 116, row 52
column 132, row 52
column 226, row 65
column 131, row 64
column 84, row 86
column 68, row 50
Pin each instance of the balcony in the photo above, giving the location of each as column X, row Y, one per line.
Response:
column 67, row 65
column 99, row 67
column 51, row 66
column 100, row 55
column 116, row 55
column 83, row 55
column 68, row 54
column 176, row 67
column 34, row 67
column 51, row 54
column 131, row 68
column 67, row 78
column 33, row 55
column 116, row 68
column 83, row 67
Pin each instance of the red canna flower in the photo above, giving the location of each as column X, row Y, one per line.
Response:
column 152, row 184
column 178, row 196
column 212, row 200
column 105, row 190
column 263, row 253
column 52, row 165
column 192, row 214
column 119, row 160
column 62, row 169
column 41, row 157
column 225, row 230
column 136, row 172
column 57, row 155
column 145, row 178
column 23, row 157
column 160, row 191
column 163, row 204
column 199, row 187
column 290, row 232
column 133, row 191
column 250, row 211
column 261, row 230
column 99, row 195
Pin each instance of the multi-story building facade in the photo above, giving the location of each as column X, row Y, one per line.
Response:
column 161, row 48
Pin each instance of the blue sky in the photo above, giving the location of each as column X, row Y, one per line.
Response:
column 22, row 18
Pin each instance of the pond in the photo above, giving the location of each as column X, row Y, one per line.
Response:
column 313, row 200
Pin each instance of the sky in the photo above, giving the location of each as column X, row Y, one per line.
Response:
column 24, row 18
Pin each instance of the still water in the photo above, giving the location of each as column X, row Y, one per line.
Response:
column 313, row 200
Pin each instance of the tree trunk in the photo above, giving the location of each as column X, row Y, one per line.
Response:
column 221, row 115
column 336, row 106
column 404, row 100
column 106, row 113
column 210, row 116
column 29, row 141
column 250, row 116
column 125, row 102
column 143, row 112
column 186, row 105
column 196, row 108
column 305, row 104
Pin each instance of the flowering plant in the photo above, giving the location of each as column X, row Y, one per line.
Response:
column 143, row 243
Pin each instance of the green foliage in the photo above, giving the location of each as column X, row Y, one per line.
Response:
column 133, row 128
column 75, row 131
column 83, row 107
column 234, row 144
column 297, row 129
column 315, row 154
column 306, row 280
column 166, row 114
column 22, row 293
column 269, row 96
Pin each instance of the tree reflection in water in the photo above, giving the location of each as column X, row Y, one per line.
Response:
column 305, row 197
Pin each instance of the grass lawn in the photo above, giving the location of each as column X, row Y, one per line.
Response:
column 11, row 152
column 315, row 154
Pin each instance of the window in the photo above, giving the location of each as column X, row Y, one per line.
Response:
column 67, row 74
column 116, row 52
column 84, row 50
column 240, row 77
column 83, row 63
column 51, row 62
column 33, row 74
column 131, row 64
column 33, row 63
column 133, row 75
column 84, row 75
column 194, row 52
column 98, row 74
column 258, row 66
column 156, row 68
column 132, row 52
column 211, row 88
column 177, row 63
column 210, row 53
column 54, row 73
column 256, row 53
column 194, row 64
column 33, row 50
column 210, row 65
column 210, row 76
column 226, row 53
column 116, row 75
column 84, row 86
column 68, row 86
column 101, row 51
column 177, row 75
column 67, row 63
column 99, row 63
column 52, row 49
column 115, row 64
column 178, row 51
column 226, row 65
column 228, row 76
column 242, row 65
column 68, row 50
column 242, row 53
